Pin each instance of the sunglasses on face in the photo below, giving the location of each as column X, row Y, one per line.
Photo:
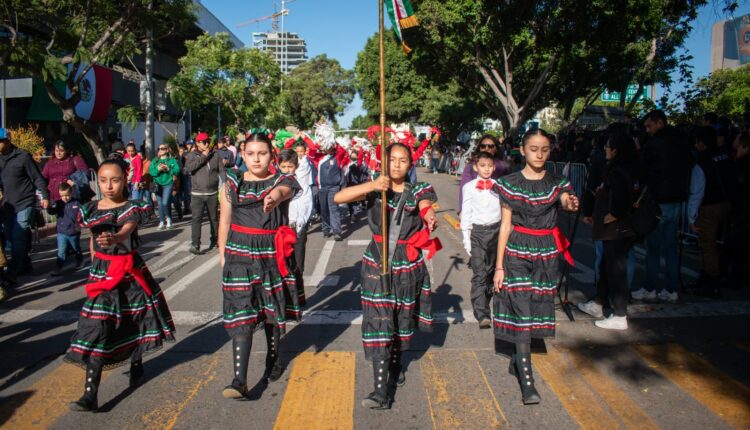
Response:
column 162, row 149
column 487, row 145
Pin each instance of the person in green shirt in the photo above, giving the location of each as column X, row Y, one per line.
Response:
column 164, row 168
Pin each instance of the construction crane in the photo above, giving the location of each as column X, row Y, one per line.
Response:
column 274, row 17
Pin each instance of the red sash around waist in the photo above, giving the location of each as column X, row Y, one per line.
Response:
column 563, row 245
column 418, row 241
column 284, row 239
column 119, row 266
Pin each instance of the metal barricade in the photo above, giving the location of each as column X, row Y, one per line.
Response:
column 577, row 174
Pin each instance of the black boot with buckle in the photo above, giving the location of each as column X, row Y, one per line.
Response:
column 136, row 373
column 396, row 375
column 525, row 376
column 88, row 402
column 274, row 369
column 240, row 356
column 378, row 399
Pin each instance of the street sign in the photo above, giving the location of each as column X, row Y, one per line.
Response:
column 630, row 93
column 13, row 89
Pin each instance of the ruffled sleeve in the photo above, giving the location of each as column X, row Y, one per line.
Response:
column 562, row 185
column 503, row 189
column 134, row 211
column 289, row 181
column 424, row 191
column 86, row 216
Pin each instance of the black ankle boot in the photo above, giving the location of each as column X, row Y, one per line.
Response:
column 396, row 375
column 274, row 369
column 378, row 399
column 240, row 356
column 529, row 393
column 88, row 402
column 136, row 373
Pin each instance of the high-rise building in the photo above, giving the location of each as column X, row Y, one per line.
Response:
column 288, row 49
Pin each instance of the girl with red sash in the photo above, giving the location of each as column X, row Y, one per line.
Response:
column 256, row 250
column 125, row 314
column 390, row 317
column 529, row 244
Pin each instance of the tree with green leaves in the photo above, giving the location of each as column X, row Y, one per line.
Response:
column 318, row 88
column 47, row 38
column 244, row 82
column 516, row 57
column 723, row 91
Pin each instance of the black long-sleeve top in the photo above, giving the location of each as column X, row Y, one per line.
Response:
column 21, row 178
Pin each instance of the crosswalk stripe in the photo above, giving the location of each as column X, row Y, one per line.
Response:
column 46, row 401
column 717, row 391
column 632, row 416
column 576, row 396
column 452, row 382
column 320, row 393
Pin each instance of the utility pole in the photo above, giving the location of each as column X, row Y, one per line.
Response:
column 149, row 93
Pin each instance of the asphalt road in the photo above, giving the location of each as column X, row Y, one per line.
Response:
column 681, row 365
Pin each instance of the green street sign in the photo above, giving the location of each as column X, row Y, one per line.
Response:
column 630, row 94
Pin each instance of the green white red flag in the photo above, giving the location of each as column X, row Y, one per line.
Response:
column 402, row 16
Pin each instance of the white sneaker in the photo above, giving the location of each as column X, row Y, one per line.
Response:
column 613, row 323
column 643, row 294
column 169, row 223
column 666, row 296
column 592, row 308
column 161, row 225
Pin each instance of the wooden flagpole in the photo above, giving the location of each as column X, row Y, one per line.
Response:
column 383, row 157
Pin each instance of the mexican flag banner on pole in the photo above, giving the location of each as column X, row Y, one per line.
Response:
column 402, row 16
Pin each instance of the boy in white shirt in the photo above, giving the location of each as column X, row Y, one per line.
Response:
column 480, row 224
column 300, row 207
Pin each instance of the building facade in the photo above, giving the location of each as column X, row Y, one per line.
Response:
column 288, row 49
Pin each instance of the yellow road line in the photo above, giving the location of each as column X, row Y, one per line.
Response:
column 183, row 384
column 575, row 395
column 45, row 401
column 717, row 391
column 487, row 384
column 320, row 394
column 451, row 380
column 452, row 221
column 631, row 415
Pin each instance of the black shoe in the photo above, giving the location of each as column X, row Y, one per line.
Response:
column 79, row 263
column 485, row 323
column 84, row 404
column 235, row 390
column 136, row 374
column 326, row 234
column 195, row 250
column 213, row 244
column 529, row 394
column 337, row 237
column 274, row 373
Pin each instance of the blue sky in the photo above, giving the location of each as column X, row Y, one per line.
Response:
column 339, row 28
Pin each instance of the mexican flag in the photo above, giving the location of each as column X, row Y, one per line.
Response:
column 402, row 16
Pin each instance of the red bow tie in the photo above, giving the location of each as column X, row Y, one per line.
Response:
column 484, row 184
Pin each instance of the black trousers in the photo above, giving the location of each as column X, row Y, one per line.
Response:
column 613, row 289
column 299, row 249
column 483, row 259
column 197, row 204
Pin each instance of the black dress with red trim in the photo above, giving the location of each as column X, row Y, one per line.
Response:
column 258, row 283
column 391, row 319
column 525, row 307
column 125, row 314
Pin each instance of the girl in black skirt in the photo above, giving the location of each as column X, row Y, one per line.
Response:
column 255, row 247
column 390, row 317
column 529, row 243
column 125, row 315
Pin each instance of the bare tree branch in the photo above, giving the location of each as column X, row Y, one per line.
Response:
column 540, row 81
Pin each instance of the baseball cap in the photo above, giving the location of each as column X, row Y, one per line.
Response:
column 117, row 146
column 201, row 137
column 4, row 135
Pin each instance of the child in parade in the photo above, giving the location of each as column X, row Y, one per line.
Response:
column 125, row 314
column 255, row 246
column 527, row 269
column 390, row 316
column 300, row 207
column 68, row 231
column 480, row 226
